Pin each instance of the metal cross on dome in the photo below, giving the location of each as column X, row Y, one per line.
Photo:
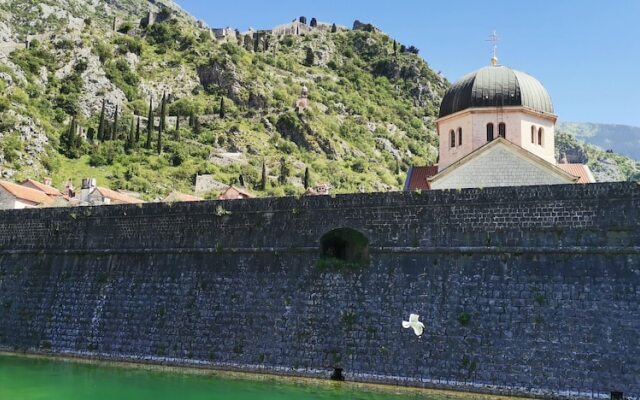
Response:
column 494, row 39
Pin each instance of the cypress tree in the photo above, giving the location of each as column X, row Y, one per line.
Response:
column 163, row 120
column 284, row 171
column 395, row 47
column 334, row 28
column 131, row 138
column 114, row 132
column 67, row 138
column 221, row 111
column 77, row 139
column 306, row 178
column 263, row 182
column 397, row 166
column 101, row 124
column 196, row 125
column 149, row 124
column 177, row 121
column 310, row 57
column 241, row 180
column 138, row 130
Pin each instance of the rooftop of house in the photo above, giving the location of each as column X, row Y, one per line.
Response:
column 417, row 177
column 47, row 189
column 117, row 196
column 25, row 193
column 234, row 192
column 582, row 171
column 178, row 196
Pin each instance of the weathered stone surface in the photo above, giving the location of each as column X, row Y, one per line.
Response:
column 522, row 290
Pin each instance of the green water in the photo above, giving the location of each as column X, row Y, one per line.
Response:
column 37, row 379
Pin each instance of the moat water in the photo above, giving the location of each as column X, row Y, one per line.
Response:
column 43, row 379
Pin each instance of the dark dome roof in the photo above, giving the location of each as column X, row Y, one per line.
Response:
column 495, row 86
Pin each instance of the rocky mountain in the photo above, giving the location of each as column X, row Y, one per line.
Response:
column 303, row 102
column 605, row 165
column 621, row 139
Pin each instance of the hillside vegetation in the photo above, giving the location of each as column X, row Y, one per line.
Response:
column 75, row 103
column 370, row 109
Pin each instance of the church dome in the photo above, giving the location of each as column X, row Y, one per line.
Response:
column 496, row 86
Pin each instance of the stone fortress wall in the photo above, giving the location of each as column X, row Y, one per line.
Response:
column 529, row 290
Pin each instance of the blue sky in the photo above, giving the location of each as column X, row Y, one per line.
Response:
column 586, row 53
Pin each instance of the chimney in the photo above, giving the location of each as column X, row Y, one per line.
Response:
column 88, row 186
column 47, row 181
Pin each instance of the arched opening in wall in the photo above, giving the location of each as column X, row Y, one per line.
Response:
column 489, row 132
column 459, row 136
column 502, row 130
column 452, row 139
column 344, row 247
column 541, row 137
column 533, row 134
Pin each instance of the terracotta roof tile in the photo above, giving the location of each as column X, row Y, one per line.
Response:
column 49, row 190
column 232, row 193
column 417, row 177
column 25, row 193
column 177, row 196
column 582, row 171
column 117, row 197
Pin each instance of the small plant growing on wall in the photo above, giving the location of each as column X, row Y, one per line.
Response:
column 464, row 318
column 221, row 212
column 348, row 319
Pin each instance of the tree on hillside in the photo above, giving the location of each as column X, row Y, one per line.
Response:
column 413, row 50
column 306, row 178
column 114, row 131
column 221, row 112
column 163, row 119
column 131, row 136
column 149, row 124
column 334, row 28
column 310, row 57
column 102, row 123
column 138, row 130
column 263, row 181
column 314, row 22
column 395, row 47
column 196, row 125
column 284, row 171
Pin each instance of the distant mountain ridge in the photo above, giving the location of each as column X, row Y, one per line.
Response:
column 622, row 139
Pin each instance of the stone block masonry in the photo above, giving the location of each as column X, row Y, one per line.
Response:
column 529, row 290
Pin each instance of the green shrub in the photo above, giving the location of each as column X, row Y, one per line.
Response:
column 125, row 27
column 11, row 146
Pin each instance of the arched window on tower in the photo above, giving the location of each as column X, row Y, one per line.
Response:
column 489, row 132
column 541, row 136
column 459, row 136
column 533, row 134
column 452, row 138
column 502, row 130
